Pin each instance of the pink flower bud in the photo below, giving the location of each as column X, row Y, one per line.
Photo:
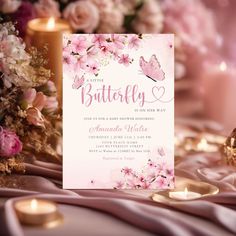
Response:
column 35, row 117
column 29, row 95
column 10, row 143
column 51, row 105
column 39, row 101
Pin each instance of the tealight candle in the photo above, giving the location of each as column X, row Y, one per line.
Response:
column 184, row 195
column 36, row 211
column 204, row 146
column 48, row 32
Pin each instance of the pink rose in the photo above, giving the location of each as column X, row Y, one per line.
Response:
column 111, row 21
column 35, row 117
column 103, row 5
column 186, row 19
column 10, row 143
column 82, row 15
column 9, row 6
column 47, row 8
column 149, row 18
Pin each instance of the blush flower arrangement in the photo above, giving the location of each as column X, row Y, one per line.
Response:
column 196, row 37
column 28, row 104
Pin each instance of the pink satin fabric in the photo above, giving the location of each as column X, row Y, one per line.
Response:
column 132, row 212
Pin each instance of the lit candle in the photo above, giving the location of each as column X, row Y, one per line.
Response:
column 219, row 85
column 48, row 32
column 202, row 145
column 184, row 195
column 36, row 211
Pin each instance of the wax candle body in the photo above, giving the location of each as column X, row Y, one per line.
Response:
column 40, row 34
column 220, row 95
column 181, row 195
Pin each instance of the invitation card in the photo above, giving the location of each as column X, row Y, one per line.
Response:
column 118, row 111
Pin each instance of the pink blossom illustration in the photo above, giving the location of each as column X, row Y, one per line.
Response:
column 156, row 174
column 134, row 42
column 93, row 67
column 118, row 41
column 152, row 69
column 125, row 59
column 79, row 44
column 127, row 171
column 81, row 63
column 88, row 53
column 99, row 39
column 161, row 182
column 68, row 60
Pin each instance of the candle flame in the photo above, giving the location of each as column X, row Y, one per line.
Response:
column 185, row 191
column 34, row 204
column 51, row 23
column 223, row 66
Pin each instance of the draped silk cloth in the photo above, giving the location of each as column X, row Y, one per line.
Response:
column 129, row 212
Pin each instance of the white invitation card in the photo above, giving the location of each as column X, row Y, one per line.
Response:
column 118, row 111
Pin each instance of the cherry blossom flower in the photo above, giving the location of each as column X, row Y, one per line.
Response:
column 132, row 183
column 169, row 172
column 81, row 63
column 68, row 60
column 106, row 49
column 119, row 185
column 124, row 59
column 141, row 178
column 151, row 164
column 79, row 44
column 92, row 52
column 118, row 41
column 161, row 182
column 116, row 54
column 99, row 39
column 134, row 41
column 156, row 174
column 127, row 171
column 145, row 185
column 93, row 67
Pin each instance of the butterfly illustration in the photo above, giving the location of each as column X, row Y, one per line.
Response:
column 78, row 82
column 152, row 69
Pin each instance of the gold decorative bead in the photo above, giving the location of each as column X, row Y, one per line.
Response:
column 229, row 149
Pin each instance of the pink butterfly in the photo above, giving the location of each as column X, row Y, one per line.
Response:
column 152, row 69
column 78, row 82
